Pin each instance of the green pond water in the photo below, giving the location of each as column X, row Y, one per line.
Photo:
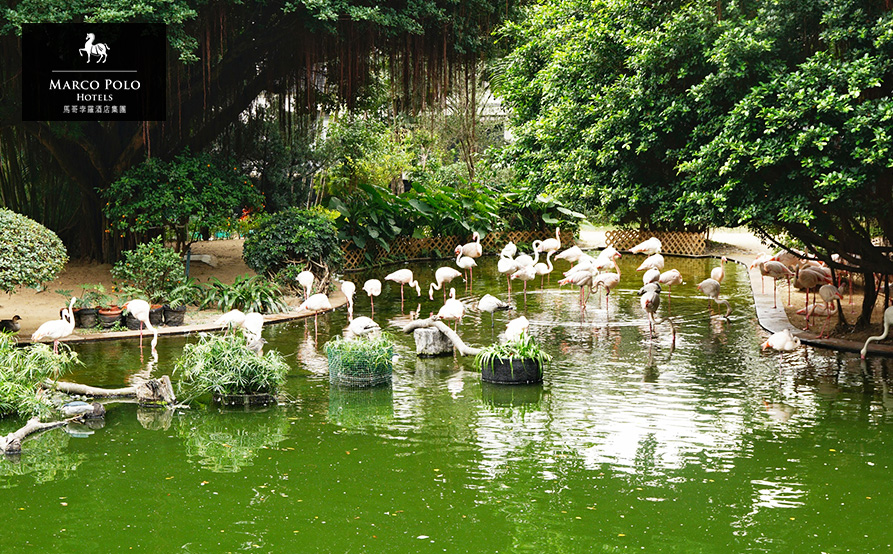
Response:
column 698, row 443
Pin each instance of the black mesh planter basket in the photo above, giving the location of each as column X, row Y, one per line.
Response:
column 512, row 371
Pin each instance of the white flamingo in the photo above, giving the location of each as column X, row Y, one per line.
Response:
column 525, row 273
column 572, row 254
column 305, row 279
column 710, row 288
column 582, row 278
column 316, row 303
column 362, row 326
column 516, row 328
column 253, row 325
column 452, row 309
column 404, row 277
column 782, row 341
column 442, row 275
column 670, row 277
column 472, row 249
column 543, row 269
column 655, row 261
column 509, row 250
column 718, row 273
column 232, row 318
column 489, row 303
column 507, row 265
column 650, row 302
column 349, row 289
column 550, row 244
column 372, row 287
column 888, row 322
column 57, row 329
column 776, row 270
column 140, row 310
column 649, row 247
column 607, row 280
column 466, row 263
column 829, row 293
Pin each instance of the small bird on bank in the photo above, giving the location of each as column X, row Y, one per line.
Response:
column 10, row 325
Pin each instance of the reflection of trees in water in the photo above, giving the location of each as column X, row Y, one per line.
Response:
column 44, row 457
column 227, row 441
column 359, row 407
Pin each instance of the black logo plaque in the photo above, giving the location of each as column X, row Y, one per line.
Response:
column 94, row 71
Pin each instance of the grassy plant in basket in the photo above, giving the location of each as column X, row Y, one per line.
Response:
column 362, row 361
column 523, row 347
column 225, row 365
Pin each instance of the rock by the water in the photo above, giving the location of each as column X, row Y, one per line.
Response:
column 431, row 342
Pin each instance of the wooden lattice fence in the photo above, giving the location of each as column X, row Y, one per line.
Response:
column 672, row 242
column 442, row 247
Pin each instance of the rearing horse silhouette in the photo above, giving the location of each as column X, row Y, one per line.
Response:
column 100, row 49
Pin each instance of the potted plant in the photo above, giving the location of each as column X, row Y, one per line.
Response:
column 225, row 367
column 363, row 361
column 179, row 298
column 513, row 362
column 156, row 311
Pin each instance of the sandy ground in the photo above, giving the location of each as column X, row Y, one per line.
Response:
column 37, row 307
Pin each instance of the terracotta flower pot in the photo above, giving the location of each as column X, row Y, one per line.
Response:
column 110, row 315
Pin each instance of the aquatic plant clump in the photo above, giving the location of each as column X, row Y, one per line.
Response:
column 522, row 348
column 224, row 365
column 23, row 369
column 360, row 362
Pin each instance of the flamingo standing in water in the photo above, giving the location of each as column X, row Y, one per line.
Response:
column 650, row 303
column 349, row 289
column 525, row 273
column 543, row 269
column 550, row 244
column 516, row 328
column 782, row 341
column 466, row 263
column 372, row 287
column 316, row 303
column 649, row 247
column 507, row 265
column 472, row 249
column 489, row 303
column 654, row 261
column 607, row 280
column 669, row 278
column 888, row 322
column 57, row 329
column 442, row 275
column 572, row 254
column 509, row 250
column 710, row 288
column 140, row 310
column 452, row 309
column 404, row 277
column 581, row 278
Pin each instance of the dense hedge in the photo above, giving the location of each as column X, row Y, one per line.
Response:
column 30, row 254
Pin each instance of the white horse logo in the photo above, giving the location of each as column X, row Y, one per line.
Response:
column 100, row 49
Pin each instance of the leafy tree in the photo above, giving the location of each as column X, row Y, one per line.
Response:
column 683, row 115
column 194, row 191
column 224, row 55
column 30, row 254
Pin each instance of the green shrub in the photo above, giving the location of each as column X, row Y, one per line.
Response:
column 21, row 369
column 223, row 364
column 30, row 254
column 249, row 294
column 294, row 237
column 363, row 361
column 152, row 268
column 523, row 347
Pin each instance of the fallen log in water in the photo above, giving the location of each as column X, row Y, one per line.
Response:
column 12, row 443
column 463, row 348
column 151, row 392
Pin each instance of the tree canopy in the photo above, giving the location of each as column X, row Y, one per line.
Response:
column 224, row 55
column 677, row 115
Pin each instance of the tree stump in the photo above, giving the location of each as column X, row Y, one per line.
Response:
column 155, row 392
column 430, row 342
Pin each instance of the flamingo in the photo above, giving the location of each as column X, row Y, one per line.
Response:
column 670, row 277
column 888, row 322
column 140, row 310
column 652, row 275
column 452, row 309
column 507, row 265
column 607, row 280
column 582, row 278
column 58, row 329
column 305, row 279
column 404, row 277
column 253, row 324
column 828, row 294
column 372, row 287
column 466, row 263
column 543, row 269
column 782, row 341
column 525, row 259
column 442, row 275
column 818, row 309
column 509, row 250
column 362, row 326
column 655, row 261
column 472, row 249
column 316, row 303
column 489, row 303
column 776, row 270
column 808, row 279
column 650, row 246
column 710, row 287
column 550, row 244
column 232, row 318
column 10, row 325
column 718, row 273
column 572, row 254
column 607, row 259
column 761, row 259
column 516, row 328
column 349, row 289
column 650, row 303
column 525, row 273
